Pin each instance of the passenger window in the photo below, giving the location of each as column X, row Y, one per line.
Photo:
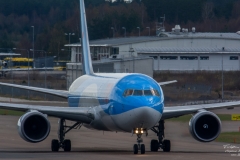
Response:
column 128, row 92
column 138, row 93
column 155, row 92
column 148, row 93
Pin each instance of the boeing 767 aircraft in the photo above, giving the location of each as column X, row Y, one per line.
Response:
column 132, row 103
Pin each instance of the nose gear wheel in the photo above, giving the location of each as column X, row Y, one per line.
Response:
column 139, row 146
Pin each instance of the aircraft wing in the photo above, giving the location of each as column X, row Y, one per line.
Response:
column 10, row 54
column 176, row 111
column 60, row 93
column 80, row 114
column 26, row 69
column 168, row 82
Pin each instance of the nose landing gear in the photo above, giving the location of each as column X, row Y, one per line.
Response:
column 139, row 147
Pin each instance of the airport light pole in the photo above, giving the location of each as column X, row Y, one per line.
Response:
column 33, row 48
column 163, row 20
column 69, row 39
column 58, row 50
column 138, row 31
column 222, row 75
column 12, row 74
column 45, row 72
column 131, row 50
column 125, row 31
column 148, row 30
column 113, row 31
column 28, row 65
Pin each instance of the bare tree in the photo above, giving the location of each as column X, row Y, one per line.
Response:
column 236, row 10
column 207, row 11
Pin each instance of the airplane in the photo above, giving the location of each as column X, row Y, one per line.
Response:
column 3, row 64
column 120, row 102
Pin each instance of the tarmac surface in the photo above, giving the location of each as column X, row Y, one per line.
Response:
column 99, row 145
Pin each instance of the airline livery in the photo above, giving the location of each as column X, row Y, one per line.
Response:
column 132, row 103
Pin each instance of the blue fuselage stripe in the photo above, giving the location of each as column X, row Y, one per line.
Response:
column 116, row 103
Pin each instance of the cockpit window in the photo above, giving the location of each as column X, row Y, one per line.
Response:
column 155, row 92
column 128, row 92
column 147, row 92
column 138, row 93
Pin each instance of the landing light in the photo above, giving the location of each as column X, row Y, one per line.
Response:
column 139, row 130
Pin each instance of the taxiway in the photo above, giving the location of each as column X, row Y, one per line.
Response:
column 99, row 145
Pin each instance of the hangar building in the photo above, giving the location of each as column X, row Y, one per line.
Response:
column 178, row 50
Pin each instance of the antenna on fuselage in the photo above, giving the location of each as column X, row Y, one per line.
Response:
column 86, row 55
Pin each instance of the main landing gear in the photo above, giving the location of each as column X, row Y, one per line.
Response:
column 62, row 142
column 139, row 147
column 165, row 145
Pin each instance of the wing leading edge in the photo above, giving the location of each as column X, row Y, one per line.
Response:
column 168, row 82
column 176, row 111
column 80, row 114
column 60, row 93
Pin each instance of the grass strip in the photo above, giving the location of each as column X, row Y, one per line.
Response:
column 10, row 112
column 229, row 137
column 186, row 118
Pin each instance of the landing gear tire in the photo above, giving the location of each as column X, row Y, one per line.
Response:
column 63, row 143
column 67, row 145
column 154, row 145
column 55, row 145
column 135, row 149
column 166, row 146
column 142, row 149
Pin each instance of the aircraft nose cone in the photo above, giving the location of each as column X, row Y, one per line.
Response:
column 145, row 117
column 142, row 117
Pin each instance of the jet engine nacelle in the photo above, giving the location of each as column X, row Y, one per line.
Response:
column 33, row 127
column 205, row 126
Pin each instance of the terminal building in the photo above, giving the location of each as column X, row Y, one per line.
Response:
column 178, row 50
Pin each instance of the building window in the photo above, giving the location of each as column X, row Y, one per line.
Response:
column 233, row 57
column 188, row 57
column 115, row 50
column 76, row 59
column 169, row 57
column 154, row 57
column 204, row 57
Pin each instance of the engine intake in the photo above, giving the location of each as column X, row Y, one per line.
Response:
column 205, row 126
column 33, row 126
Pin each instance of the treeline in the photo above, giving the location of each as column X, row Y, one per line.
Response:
column 53, row 18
